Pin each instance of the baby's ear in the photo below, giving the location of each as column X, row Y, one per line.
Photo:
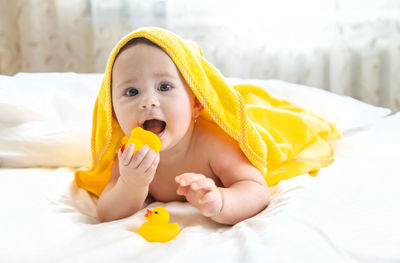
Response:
column 197, row 108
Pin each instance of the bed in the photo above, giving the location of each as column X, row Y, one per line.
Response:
column 349, row 213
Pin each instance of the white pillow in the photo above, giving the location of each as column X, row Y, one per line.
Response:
column 46, row 118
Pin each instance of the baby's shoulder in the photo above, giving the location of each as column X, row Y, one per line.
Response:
column 211, row 138
column 225, row 157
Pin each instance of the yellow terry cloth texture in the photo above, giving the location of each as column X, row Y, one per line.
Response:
column 280, row 139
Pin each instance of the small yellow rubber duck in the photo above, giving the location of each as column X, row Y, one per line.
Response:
column 140, row 137
column 157, row 228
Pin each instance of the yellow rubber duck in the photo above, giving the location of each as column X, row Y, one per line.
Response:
column 140, row 137
column 157, row 228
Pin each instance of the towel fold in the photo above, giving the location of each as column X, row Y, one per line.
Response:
column 280, row 139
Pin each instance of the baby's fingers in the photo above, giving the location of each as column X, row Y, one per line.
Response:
column 148, row 160
column 139, row 157
column 182, row 190
column 125, row 156
column 209, row 197
column 188, row 178
column 153, row 167
column 205, row 185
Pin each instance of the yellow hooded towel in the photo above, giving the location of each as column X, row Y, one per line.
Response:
column 279, row 139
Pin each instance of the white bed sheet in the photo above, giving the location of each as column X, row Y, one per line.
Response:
column 349, row 213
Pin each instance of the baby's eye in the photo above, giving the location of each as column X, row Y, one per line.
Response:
column 131, row 92
column 164, row 87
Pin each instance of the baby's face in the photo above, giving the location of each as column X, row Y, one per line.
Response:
column 149, row 91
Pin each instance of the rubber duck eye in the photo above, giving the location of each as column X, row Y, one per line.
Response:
column 156, row 212
column 164, row 87
column 131, row 92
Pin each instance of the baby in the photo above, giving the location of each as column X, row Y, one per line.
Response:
column 198, row 162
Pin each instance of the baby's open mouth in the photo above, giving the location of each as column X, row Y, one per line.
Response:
column 155, row 126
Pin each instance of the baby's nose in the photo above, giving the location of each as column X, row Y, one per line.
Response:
column 149, row 102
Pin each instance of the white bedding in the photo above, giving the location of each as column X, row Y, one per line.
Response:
column 349, row 213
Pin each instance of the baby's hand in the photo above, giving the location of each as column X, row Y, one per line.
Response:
column 201, row 192
column 138, row 169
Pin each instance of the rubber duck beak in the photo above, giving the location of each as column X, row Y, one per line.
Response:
column 148, row 214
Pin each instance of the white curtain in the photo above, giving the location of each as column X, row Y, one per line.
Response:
column 350, row 47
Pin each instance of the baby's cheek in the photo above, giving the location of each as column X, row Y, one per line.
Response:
column 180, row 120
column 126, row 117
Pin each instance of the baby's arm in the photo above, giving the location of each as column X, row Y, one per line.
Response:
column 244, row 194
column 128, row 187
